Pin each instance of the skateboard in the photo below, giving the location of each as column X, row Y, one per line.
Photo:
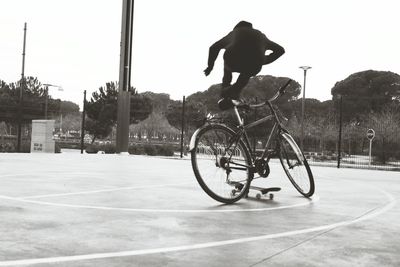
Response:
column 264, row 191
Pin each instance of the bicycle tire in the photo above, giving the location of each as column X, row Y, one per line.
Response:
column 223, row 176
column 295, row 165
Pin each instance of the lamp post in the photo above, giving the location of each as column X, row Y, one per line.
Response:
column 83, row 122
column 304, row 68
column 21, row 88
column 46, row 94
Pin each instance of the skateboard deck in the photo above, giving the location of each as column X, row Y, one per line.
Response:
column 264, row 191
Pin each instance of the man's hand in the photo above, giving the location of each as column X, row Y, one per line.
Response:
column 207, row 71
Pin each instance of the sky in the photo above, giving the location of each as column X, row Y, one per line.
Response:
column 76, row 43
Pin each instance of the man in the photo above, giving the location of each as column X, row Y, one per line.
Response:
column 245, row 49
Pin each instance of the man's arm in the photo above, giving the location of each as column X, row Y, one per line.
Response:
column 214, row 51
column 277, row 51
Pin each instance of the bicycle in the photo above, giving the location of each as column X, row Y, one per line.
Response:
column 224, row 162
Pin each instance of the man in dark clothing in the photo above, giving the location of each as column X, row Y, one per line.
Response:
column 245, row 49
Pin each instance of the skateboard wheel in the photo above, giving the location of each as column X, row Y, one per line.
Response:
column 258, row 196
column 233, row 192
column 271, row 196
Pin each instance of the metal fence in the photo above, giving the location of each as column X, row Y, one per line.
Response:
column 363, row 135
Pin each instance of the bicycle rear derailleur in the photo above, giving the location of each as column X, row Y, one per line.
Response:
column 262, row 167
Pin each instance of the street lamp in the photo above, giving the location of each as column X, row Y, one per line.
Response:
column 304, row 68
column 47, row 85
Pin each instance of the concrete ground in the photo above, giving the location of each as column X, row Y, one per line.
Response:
column 117, row 210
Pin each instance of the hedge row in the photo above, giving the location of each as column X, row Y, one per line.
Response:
column 137, row 149
column 11, row 147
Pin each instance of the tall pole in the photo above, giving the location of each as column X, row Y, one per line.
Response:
column 182, row 125
column 21, row 87
column 340, row 133
column 370, row 153
column 123, row 113
column 304, row 68
column 61, row 118
column 83, row 121
column 46, row 95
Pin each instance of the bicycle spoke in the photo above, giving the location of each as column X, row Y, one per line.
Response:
column 219, row 161
column 296, row 167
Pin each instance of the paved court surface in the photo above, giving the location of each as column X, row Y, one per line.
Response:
column 113, row 210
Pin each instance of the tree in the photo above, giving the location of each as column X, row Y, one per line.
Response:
column 159, row 101
column 71, row 122
column 7, row 94
column 3, row 129
column 102, row 110
column 352, row 136
column 141, row 107
column 155, row 126
column 369, row 83
column 259, row 88
column 386, row 126
column 33, row 101
column 368, row 90
column 68, row 107
column 195, row 112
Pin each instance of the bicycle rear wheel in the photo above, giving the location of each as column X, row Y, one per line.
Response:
column 295, row 165
column 221, row 163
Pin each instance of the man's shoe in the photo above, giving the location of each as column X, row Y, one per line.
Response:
column 228, row 103
column 226, row 93
column 225, row 103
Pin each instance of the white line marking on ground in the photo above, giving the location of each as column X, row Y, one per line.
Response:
column 376, row 212
column 104, row 190
column 307, row 202
column 50, row 173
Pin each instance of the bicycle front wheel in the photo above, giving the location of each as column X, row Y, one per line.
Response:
column 221, row 163
column 295, row 165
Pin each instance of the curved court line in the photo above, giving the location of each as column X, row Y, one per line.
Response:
column 103, row 190
column 369, row 215
column 49, row 173
column 312, row 200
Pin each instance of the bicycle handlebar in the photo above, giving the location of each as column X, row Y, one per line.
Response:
column 279, row 93
column 282, row 89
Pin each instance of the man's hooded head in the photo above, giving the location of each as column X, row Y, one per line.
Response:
column 243, row 24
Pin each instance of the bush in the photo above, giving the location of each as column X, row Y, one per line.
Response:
column 165, row 150
column 109, row 148
column 150, row 150
column 7, row 147
column 25, row 146
column 11, row 147
column 69, row 145
column 57, row 148
column 92, row 149
column 136, row 149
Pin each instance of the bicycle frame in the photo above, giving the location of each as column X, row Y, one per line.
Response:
column 242, row 133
